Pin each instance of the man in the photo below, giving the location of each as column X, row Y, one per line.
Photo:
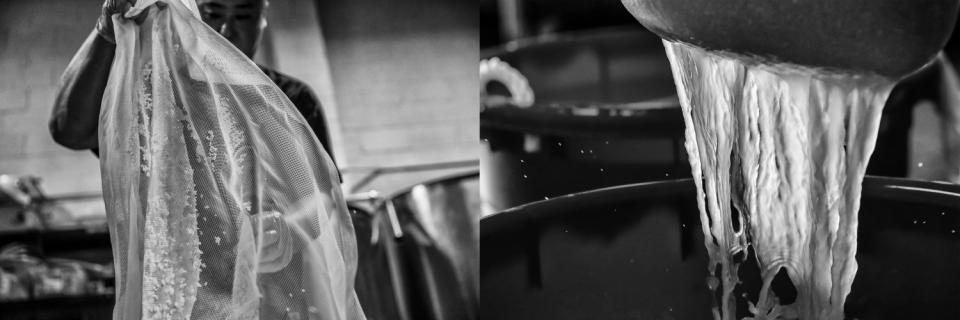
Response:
column 77, row 108
column 182, row 244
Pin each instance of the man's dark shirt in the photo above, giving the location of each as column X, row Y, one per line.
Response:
column 305, row 101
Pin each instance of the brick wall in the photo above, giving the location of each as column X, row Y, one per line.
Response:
column 405, row 76
column 293, row 44
column 37, row 40
column 397, row 79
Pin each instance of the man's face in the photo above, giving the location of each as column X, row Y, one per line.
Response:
column 236, row 20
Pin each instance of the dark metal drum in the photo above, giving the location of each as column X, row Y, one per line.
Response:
column 636, row 252
column 606, row 114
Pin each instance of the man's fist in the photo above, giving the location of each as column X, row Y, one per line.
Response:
column 111, row 7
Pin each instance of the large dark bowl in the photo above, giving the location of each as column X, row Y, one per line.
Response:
column 636, row 252
column 887, row 37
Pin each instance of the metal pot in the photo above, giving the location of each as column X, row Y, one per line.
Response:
column 418, row 251
column 437, row 225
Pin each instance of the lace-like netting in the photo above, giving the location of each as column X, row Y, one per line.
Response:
column 222, row 203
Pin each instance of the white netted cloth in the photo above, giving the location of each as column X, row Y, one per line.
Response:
column 222, row 204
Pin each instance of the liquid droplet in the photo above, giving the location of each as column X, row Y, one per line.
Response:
column 713, row 282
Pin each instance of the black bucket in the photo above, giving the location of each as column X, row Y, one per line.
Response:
column 606, row 114
column 636, row 252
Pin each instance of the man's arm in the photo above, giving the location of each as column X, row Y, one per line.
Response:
column 76, row 111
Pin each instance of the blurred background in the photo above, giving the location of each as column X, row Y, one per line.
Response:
column 605, row 112
column 503, row 21
column 396, row 80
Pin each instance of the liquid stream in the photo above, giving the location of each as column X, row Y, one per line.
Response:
column 778, row 154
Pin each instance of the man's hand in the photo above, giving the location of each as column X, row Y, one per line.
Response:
column 111, row 7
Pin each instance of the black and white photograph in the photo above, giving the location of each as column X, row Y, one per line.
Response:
column 479, row 159
column 719, row 159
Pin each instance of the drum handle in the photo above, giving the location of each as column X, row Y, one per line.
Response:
column 494, row 69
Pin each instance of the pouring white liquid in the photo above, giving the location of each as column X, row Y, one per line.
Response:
column 788, row 147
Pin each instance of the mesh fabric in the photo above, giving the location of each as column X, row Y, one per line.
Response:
column 222, row 204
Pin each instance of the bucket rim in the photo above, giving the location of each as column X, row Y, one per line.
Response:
column 942, row 193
